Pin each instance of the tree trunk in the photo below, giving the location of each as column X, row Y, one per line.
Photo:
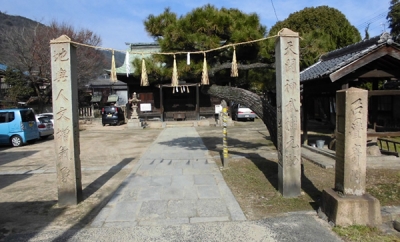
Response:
column 260, row 106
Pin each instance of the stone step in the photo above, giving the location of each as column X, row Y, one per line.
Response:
column 173, row 124
column 390, row 213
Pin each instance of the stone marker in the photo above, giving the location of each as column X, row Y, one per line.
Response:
column 351, row 140
column 348, row 204
column 134, row 121
column 66, row 126
column 288, row 113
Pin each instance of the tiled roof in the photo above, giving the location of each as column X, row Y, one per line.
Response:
column 96, row 99
column 112, row 98
column 145, row 51
column 339, row 58
column 106, row 82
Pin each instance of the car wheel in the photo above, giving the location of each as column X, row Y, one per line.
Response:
column 44, row 137
column 16, row 141
column 252, row 119
column 104, row 124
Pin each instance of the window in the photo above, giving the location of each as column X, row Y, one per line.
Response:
column 27, row 115
column 11, row 116
column 6, row 117
column 3, row 117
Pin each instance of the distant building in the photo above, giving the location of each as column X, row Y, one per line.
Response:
column 105, row 92
column 161, row 100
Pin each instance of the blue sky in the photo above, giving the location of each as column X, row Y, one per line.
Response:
column 121, row 21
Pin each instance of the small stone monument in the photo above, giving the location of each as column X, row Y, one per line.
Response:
column 348, row 204
column 134, row 121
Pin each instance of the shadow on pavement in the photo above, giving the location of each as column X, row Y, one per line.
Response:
column 99, row 182
column 90, row 190
column 268, row 167
column 36, row 215
column 10, row 156
column 42, row 213
column 6, row 180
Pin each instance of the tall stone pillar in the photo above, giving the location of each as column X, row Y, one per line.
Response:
column 288, row 113
column 348, row 204
column 66, row 125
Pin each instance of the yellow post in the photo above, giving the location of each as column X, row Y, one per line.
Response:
column 224, row 114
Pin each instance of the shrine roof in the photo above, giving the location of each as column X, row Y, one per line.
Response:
column 337, row 59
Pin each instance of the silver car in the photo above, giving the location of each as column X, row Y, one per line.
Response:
column 45, row 126
column 242, row 112
column 49, row 115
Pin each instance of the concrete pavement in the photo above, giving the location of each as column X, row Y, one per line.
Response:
column 174, row 182
column 176, row 192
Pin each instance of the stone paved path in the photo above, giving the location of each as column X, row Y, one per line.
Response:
column 175, row 182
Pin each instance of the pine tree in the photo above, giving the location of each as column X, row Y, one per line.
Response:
column 394, row 17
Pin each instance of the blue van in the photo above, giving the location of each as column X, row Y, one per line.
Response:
column 18, row 126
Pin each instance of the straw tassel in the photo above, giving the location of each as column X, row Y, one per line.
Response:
column 144, row 80
column 113, row 74
column 234, row 70
column 204, row 76
column 174, row 81
column 127, row 64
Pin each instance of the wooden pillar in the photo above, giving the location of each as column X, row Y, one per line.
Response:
column 197, row 102
column 373, row 107
column 66, row 125
column 306, row 103
column 161, row 104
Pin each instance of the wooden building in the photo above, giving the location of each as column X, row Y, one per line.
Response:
column 162, row 101
column 105, row 92
column 372, row 64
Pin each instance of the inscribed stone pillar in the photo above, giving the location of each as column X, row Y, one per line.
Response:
column 288, row 113
column 351, row 140
column 66, row 127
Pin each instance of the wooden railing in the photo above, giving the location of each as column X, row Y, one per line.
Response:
column 86, row 112
column 386, row 145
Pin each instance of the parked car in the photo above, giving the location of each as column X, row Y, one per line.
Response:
column 18, row 126
column 112, row 115
column 242, row 112
column 45, row 126
column 49, row 115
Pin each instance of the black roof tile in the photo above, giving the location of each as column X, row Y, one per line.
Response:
column 336, row 59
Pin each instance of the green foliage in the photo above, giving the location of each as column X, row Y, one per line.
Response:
column 322, row 29
column 203, row 29
column 19, row 87
column 363, row 233
column 394, row 17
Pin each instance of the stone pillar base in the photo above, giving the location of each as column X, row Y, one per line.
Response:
column 350, row 209
column 135, row 124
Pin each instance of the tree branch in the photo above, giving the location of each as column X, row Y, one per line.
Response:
column 228, row 65
column 260, row 106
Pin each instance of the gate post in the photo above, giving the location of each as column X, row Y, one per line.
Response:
column 288, row 113
column 66, row 125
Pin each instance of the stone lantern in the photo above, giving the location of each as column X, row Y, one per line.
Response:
column 134, row 121
column 134, row 101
